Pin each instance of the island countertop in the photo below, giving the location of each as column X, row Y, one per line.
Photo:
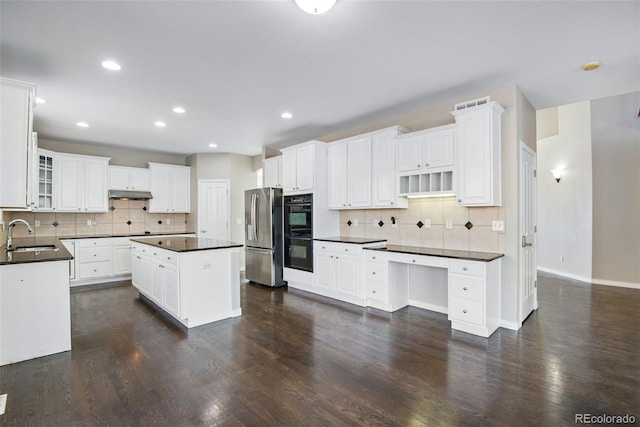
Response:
column 187, row 243
column 446, row 253
column 59, row 254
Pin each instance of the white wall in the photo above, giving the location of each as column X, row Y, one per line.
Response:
column 565, row 208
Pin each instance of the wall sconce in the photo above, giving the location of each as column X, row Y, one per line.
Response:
column 557, row 174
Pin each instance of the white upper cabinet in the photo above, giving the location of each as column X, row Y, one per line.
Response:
column 478, row 151
column 126, row 178
column 16, row 144
column 298, row 168
column 170, row 188
column 349, row 173
column 272, row 172
column 44, row 183
column 427, row 149
column 383, row 169
column 81, row 183
column 361, row 171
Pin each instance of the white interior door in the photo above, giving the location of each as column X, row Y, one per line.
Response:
column 213, row 209
column 528, row 266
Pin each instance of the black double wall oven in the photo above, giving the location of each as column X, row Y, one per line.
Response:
column 298, row 232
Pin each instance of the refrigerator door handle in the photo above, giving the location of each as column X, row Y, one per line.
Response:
column 259, row 250
column 253, row 216
column 255, row 223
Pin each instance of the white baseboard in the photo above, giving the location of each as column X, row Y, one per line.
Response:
column 616, row 283
column 514, row 326
column 427, row 306
column 590, row 279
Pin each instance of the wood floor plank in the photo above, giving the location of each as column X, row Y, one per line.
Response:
column 296, row 359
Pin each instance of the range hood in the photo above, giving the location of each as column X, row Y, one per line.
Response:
column 130, row 195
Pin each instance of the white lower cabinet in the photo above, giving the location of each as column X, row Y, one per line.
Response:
column 165, row 280
column 121, row 255
column 35, row 314
column 474, row 296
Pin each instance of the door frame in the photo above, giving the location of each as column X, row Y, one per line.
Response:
column 214, row 181
column 534, row 214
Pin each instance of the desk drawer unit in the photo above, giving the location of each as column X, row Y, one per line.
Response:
column 95, row 269
column 466, row 310
column 467, row 287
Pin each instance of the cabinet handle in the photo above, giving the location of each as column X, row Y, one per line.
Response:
column 323, row 247
column 465, row 289
column 349, row 204
column 459, row 200
column 161, row 266
column 374, row 273
column 95, row 271
column 373, row 292
column 346, row 250
column 374, row 257
column 138, row 257
column 418, row 165
column 426, row 165
column 391, row 202
column 464, row 268
column 95, row 255
column 464, row 311
column 331, row 256
column 168, row 258
column 344, row 204
column 155, row 253
column 337, row 257
column 413, row 260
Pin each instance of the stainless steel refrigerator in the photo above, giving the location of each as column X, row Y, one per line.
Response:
column 263, row 236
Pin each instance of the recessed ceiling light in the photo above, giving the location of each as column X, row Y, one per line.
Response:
column 212, row 145
column 286, row 115
column 590, row 66
column 82, row 124
column 160, row 124
column 179, row 110
column 41, row 101
column 111, row 65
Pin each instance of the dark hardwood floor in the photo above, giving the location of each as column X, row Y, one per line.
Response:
column 296, row 359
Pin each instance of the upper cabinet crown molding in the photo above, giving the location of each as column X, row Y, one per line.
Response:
column 478, row 153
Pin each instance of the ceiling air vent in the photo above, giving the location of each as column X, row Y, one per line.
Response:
column 472, row 103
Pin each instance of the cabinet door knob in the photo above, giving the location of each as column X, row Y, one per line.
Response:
column 374, row 272
column 374, row 257
column 346, row 250
column 418, row 165
column 464, row 311
column 459, row 200
column 465, row 289
column 391, row 202
column 413, row 260
column 373, row 292
column 426, row 165
column 464, row 268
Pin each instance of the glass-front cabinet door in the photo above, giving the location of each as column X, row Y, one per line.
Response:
column 46, row 160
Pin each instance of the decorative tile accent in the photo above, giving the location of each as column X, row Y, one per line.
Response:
column 420, row 224
column 469, row 225
column 160, row 221
column 349, row 223
column 128, row 222
column 55, row 223
column 381, row 223
column 112, row 208
column 144, row 208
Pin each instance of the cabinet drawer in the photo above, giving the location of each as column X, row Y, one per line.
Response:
column 165, row 257
column 90, row 243
column 342, row 248
column 472, row 268
column 466, row 310
column 95, row 269
column 467, row 287
column 377, row 290
column 99, row 253
column 377, row 271
column 375, row 256
column 323, row 246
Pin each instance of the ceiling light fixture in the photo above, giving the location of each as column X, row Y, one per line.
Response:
column 111, row 65
column 160, row 124
column 590, row 66
column 286, row 115
column 212, row 145
column 41, row 101
column 82, row 124
column 315, row 7
column 179, row 110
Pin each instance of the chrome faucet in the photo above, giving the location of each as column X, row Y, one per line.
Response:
column 10, row 229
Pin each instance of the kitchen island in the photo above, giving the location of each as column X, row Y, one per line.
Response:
column 196, row 281
column 35, row 314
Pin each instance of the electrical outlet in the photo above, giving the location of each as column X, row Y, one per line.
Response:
column 427, row 223
column 207, row 266
column 449, row 224
column 355, row 222
column 168, row 221
column 88, row 222
column 37, row 223
column 561, row 258
column 375, row 222
column 94, row 222
column 497, row 225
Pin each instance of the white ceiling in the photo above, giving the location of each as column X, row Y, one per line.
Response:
column 237, row 65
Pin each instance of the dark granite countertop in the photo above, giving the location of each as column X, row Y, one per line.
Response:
column 100, row 236
column 353, row 240
column 60, row 254
column 446, row 253
column 187, row 243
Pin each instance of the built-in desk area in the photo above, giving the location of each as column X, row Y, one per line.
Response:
column 465, row 285
column 367, row 272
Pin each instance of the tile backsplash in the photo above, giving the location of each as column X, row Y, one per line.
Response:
column 123, row 217
column 471, row 227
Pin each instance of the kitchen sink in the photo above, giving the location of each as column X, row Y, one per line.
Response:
column 40, row 248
